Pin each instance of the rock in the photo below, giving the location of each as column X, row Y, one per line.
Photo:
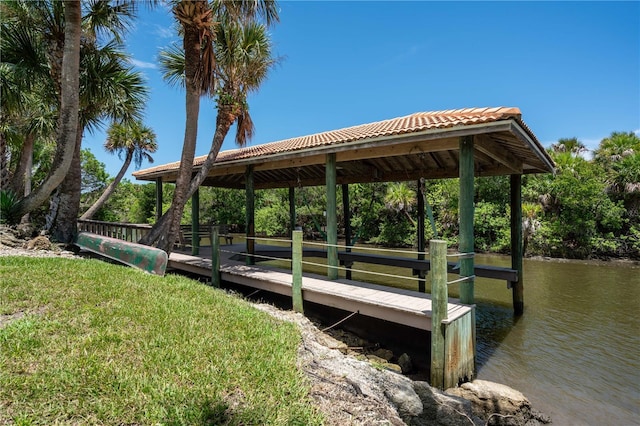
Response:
column 498, row 404
column 39, row 243
column 392, row 367
column 405, row 363
column 385, row 354
column 376, row 359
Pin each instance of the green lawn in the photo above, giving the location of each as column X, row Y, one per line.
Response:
column 105, row 344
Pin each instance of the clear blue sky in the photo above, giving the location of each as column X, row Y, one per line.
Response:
column 573, row 69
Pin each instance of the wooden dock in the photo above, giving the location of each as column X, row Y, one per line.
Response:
column 399, row 306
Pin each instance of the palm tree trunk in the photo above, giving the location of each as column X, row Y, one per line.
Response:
column 69, row 103
column 165, row 231
column 22, row 175
column 224, row 120
column 109, row 189
column 66, row 201
column 4, row 166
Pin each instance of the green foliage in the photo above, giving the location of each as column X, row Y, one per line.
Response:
column 94, row 174
column 492, row 227
column 273, row 220
column 8, row 203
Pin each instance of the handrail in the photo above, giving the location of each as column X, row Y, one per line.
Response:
column 132, row 232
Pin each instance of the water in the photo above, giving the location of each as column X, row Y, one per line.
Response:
column 575, row 353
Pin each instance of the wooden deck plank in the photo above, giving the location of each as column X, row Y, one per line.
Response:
column 392, row 304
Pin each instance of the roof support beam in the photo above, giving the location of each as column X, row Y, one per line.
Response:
column 498, row 153
column 332, row 219
column 466, row 212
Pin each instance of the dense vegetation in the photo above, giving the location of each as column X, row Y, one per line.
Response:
column 588, row 209
column 97, row 343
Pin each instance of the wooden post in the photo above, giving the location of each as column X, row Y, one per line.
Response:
column 347, row 223
column 332, row 219
column 296, row 271
column 215, row 256
column 516, row 243
column 292, row 210
column 250, row 219
column 195, row 223
column 158, row 198
column 421, row 239
column 466, row 212
column 439, row 300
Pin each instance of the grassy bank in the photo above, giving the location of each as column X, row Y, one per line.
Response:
column 94, row 343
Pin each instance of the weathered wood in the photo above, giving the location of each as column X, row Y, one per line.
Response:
column 250, row 215
column 483, row 271
column 332, row 218
column 158, row 198
column 466, row 213
column 439, row 297
column 347, row 223
column 459, row 349
column 296, row 272
column 215, row 256
column 195, row 222
column 149, row 259
column 421, row 236
column 516, row 243
column 292, row 210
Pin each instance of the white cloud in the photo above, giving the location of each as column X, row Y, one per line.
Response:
column 142, row 64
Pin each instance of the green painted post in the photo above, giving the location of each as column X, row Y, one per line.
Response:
column 466, row 212
column 332, row 218
column 292, row 210
column 158, row 198
column 195, row 223
column 215, row 257
column 296, row 271
column 439, row 300
column 347, row 223
column 421, row 237
column 250, row 218
column 516, row 243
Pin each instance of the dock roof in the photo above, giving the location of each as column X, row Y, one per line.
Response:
column 419, row 145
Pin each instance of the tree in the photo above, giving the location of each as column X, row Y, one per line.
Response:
column 570, row 145
column 619, row 155
column 69, row 82
column 242, row 47
column 401, row 198
column 136, row 141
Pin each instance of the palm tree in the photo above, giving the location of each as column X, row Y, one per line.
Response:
column 136, row 141
column 110, row 90
column 570, row 145
column 67, row 64
column 400, row 198
column 200, row 31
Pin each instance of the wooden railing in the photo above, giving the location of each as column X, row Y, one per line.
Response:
column 123, row 231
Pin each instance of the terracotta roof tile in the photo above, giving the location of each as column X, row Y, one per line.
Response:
column 416, row 122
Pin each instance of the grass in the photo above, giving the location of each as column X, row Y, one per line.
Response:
column 98, row 343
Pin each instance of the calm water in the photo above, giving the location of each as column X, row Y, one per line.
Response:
column 575, row 353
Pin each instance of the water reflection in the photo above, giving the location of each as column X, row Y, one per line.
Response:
column 575, row 353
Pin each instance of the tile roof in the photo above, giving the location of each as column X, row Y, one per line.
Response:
column 416, row 122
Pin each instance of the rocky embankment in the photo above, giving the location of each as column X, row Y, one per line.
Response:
column 352, row 388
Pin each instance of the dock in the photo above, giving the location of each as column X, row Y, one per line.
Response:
column 399, row 306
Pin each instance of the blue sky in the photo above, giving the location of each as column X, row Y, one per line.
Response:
column 573, row 69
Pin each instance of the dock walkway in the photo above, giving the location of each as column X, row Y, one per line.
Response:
column 399, row 306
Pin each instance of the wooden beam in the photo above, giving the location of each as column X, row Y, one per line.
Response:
column 466, row 213
column 498, row 153
column 158, row 198
column 347, row 223
column 421, row 237
column 332, row 219
column 516, row 243
column 292, row 210
column 195, row 223
column 250, row 216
